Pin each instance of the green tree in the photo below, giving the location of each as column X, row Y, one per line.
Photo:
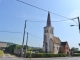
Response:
column 74, row 49
column 11, row 48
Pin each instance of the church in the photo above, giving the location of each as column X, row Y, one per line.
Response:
column 51, row 43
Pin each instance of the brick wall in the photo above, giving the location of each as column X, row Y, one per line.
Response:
column 65, row 49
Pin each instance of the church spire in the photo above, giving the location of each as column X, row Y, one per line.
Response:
column 48, row 19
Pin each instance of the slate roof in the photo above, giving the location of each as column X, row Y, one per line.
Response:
column 48, row 19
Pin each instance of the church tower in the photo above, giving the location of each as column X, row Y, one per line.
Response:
column 48, row 35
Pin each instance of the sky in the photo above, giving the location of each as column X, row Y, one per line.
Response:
column 14, row 13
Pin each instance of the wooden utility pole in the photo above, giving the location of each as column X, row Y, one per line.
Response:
column 26, row 45
column 23, row 39
column 79, row 24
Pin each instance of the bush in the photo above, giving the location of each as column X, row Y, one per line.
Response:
column 76, row 54
column 1, row 53
column 45, row 55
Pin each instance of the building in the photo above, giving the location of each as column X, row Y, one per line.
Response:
column 64, row 47
column 3, row 46
column 51, row 43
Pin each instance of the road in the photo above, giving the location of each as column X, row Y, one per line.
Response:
column 59, row 58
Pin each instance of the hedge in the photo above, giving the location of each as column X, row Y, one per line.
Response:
column 45, row 55
column 76, row 54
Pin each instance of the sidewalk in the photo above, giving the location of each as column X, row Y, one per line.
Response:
column 8, row 56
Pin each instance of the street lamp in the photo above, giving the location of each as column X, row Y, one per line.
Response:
column 73, row 25
column 78, row 23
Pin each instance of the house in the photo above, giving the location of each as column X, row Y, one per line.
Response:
column 51, row 43
column 3, row 46
column 64, row 47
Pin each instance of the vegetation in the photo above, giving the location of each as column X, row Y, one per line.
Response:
column 76, row 54
column 1, row 53
column 11, row 48
column 74, row 49
column 45, row 55
column 40, row 54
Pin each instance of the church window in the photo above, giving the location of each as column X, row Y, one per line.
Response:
column 44, row 36
column 51, row 31
column 46, row 31
column 50, row 39
column 57, row 48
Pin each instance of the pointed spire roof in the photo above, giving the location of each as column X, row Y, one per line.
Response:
column 48, row 19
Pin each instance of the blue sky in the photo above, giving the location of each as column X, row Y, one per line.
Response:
column 13, row 14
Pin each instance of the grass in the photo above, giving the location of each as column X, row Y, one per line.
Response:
column 1, row 53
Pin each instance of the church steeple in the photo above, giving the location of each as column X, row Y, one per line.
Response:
column 48, row 19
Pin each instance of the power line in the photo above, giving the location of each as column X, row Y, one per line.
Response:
column 20, row 33
column 45, row 21
column 10, row 32
column 44, row 10
column 75, row 21
column 35, row 36
column 41, row 9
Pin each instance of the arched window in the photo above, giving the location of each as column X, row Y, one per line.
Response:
column 46, row 47
column 50, row 39
column 57, row 48
column 51, row 31
column 46, row 31
column 44, row 36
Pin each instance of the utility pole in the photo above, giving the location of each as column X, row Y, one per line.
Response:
column 78, row 23
column 26, row 45
column 23, row 39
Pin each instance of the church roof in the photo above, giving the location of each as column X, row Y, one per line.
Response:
column 56, row 40
column 48, row 20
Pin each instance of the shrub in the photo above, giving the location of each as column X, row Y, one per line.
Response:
column 45, row 55
column 76, row 54
column 1, row 53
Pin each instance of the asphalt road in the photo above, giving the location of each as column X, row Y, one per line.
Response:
column 59, row 58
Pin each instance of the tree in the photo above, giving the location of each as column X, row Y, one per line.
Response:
column 74, row 49
column 11, row 48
